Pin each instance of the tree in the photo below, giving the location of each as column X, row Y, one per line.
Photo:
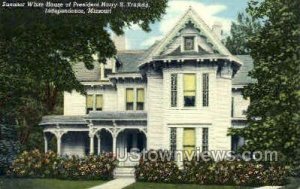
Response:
column 37, row 52
column 240, row 32
column 273, row 114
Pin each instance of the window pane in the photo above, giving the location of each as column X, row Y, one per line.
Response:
column 129, row 95
column 189, row 92
column 140, row 106
column 205, row 139
column 189, row 101
column 99, row 101
column 89, row 101
column 173, row 141
column 140, row 95
column 205, row 80
column 189, row 43
column 173, row 90
column 189, row 137
column 189, row 82
column 129, row 106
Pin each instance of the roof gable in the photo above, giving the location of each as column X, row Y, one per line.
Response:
column 190, row 18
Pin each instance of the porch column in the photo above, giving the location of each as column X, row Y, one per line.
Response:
column 91, row 144
column 58, row 138
column 114, row 144
column 99, row 144
column 46, row 143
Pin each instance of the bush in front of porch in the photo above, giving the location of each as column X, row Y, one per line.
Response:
column 238, row 172
column 34, row 164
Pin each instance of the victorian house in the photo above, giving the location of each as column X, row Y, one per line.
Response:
column 182, row 93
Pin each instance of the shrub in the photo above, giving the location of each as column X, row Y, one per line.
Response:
column 90, row 167
column 157, row 171
column 35, row 164
column 9, row 146
column 246, row 173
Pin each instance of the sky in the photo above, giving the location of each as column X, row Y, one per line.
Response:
column 211, row 11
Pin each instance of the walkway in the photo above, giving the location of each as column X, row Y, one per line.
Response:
column 116, row 184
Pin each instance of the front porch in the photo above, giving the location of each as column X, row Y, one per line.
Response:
column 96, row 133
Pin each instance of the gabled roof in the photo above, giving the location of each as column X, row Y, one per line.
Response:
column 241, row 77
column 127, row 60
column 190, row 16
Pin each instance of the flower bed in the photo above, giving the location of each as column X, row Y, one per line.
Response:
column 35, row 164
column 241, row 173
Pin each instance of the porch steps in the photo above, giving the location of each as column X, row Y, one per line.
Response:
column 124, row 172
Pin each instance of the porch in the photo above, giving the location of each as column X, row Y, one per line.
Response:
column 96, row 133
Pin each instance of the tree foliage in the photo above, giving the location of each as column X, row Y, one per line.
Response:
column 240, row 32
column 37, row 52
column 273, row 114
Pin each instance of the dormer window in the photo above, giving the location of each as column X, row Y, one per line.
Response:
column 189, row 43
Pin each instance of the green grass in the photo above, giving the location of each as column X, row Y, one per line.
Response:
column 45, row 184
column 294, row 183
column 144, row 185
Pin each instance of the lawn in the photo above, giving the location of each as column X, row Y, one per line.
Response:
column 143, row 185
column 45, row 184
column 294, row 183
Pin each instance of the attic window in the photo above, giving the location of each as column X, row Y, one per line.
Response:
column 189, row 43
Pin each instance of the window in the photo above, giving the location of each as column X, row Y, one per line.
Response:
column 173, row 139
column 107, row 72
column 129, row 99
column 189, row 43
column 99, row 102
column 140, row 99
column 232, row 106
column 89, row 103
column 189, row 140
column 205, row 79
column 173, row 90
column 204, row 139
column 189, row 88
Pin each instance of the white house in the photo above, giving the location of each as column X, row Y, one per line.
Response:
column 184, row 92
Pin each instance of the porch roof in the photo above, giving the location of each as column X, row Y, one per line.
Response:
column 61, row 119
column 122, row 115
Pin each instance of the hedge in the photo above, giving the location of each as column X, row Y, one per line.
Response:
column 238, row 172
column 35, row 164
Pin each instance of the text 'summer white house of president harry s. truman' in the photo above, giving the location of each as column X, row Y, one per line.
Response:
column 74, row 7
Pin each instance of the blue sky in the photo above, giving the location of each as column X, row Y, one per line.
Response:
column 224, row 11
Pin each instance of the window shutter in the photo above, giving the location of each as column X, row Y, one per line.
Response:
column 99, row 101
column 140, row 95
column 129, row 95
column 89, row 101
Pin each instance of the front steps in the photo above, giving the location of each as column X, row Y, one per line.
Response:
column 124, row 172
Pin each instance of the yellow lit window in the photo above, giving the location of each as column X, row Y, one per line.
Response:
column 189, row 87
column 89, row 103
column 140, row 99
column 129, row 99
column 189, row 140
column 99, row 102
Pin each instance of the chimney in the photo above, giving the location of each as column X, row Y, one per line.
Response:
column 119, row 41
column 217, row 29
